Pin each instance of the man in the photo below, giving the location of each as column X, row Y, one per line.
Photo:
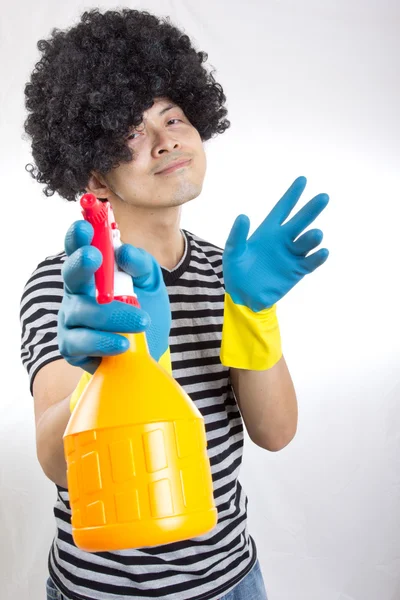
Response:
column 121, row 106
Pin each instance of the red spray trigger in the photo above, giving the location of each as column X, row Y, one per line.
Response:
column 108, row 276
column 99, row 215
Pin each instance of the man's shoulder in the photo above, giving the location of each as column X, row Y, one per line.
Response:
column 54, row 259
column 43, row 290
column 48, row 269
column 205, row 258
column 209, row 248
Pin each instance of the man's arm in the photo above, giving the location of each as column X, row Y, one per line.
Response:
column 267, row 401
column 52, row 390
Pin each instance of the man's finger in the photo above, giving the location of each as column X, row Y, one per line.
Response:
column 86, row 342
column 79, row 268
column 237, row 238
column 79, row 234
column 137, row 263
column 285, row 205
column 313, row 261
column 115, row 316
column 307, row 242
column 306, row 215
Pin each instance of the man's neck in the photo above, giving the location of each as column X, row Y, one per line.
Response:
column 157, row 231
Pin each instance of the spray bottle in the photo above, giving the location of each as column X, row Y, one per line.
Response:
column 135, row 445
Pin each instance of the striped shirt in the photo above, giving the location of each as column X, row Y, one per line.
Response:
column 202, row 568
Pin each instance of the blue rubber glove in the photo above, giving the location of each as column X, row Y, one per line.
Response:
column 261, row 270
column 86, row 329
column 152, row 295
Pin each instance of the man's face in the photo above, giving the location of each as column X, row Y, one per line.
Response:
column 165, row 136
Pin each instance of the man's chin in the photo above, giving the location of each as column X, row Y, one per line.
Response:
column 190, row 193
column 184, row 201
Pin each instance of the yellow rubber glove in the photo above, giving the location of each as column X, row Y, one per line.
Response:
column 250, row 340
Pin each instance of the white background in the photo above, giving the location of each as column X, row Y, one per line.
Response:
column 313, row 89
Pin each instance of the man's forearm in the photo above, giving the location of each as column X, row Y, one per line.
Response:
column 49, row 441
column 268, row 403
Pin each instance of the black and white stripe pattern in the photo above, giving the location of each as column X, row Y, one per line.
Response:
column 203, row 568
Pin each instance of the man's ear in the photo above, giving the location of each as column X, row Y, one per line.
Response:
column 97, row 186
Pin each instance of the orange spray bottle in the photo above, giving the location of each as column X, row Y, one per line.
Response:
column 135, row 445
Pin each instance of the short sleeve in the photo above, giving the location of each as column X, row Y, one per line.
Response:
column 39, row 306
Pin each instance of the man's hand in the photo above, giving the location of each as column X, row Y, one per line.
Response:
column 87, row 331
column 261, row 270
column 152, row 295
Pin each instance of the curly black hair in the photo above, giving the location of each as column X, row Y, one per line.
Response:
column 93, row 83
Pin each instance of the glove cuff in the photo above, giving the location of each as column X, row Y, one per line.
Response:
column 80, row 388
column 250, row 340
column 165, row 362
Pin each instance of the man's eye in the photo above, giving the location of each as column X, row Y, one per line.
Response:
column 130, row 137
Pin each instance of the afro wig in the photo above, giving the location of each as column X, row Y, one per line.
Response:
column 93, row 83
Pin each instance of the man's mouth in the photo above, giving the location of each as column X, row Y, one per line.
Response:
column 174, row 166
